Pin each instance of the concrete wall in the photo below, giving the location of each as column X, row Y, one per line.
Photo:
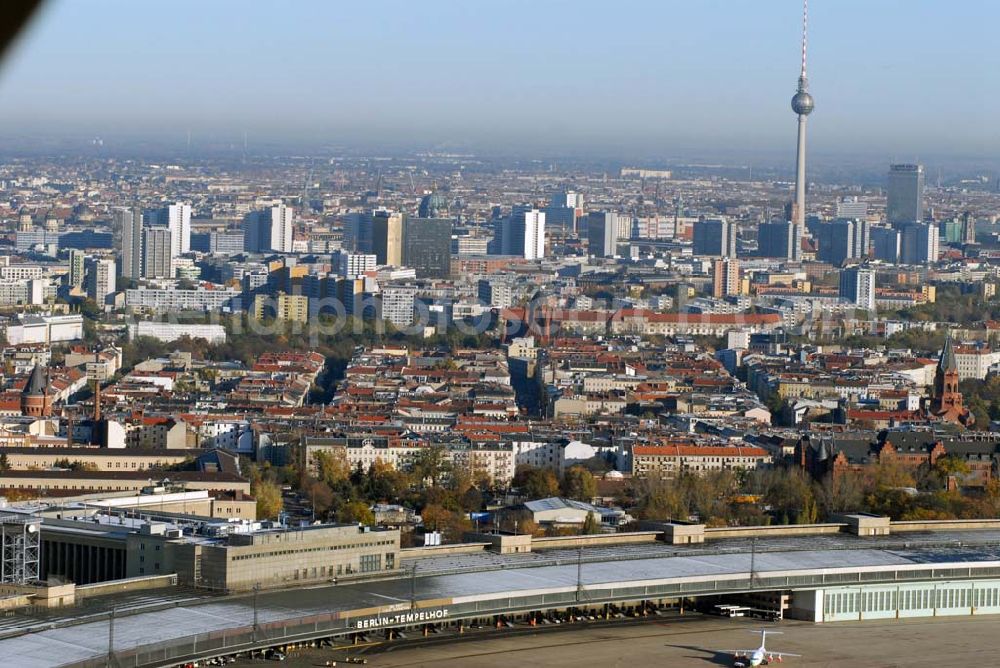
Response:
column 443, row 550
column 771, row 531
column 596, row 540
column 945, row 525
column 127, row 585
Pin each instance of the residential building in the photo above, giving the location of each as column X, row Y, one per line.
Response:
column 156, row 248
column 129, row 222
column 726, row 279
column 857, row 285
column 177, row 218
column 397, row 304
column 100, row 280
column 77, row 260
column 289, row 308
column 351, row 265
column 269, row 230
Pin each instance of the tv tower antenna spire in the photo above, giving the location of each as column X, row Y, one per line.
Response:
column 802, row 105
column 805, row 26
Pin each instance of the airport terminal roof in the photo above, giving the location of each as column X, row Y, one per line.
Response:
column 55, row 642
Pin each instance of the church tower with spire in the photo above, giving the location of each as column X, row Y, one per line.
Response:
column 948, row 403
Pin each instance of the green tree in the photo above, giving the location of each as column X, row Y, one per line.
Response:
column 789, row 493
column 356, row 511
column 578, row 483
column 430, row 464
column 591, row 525
column 662, row 499
column 269, row 501
column 331, row 466
column 535, row 483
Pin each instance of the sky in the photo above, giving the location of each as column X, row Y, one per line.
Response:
column 902, row 79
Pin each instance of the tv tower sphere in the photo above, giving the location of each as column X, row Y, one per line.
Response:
column 802, row 103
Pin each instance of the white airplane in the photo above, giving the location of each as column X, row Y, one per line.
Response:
column 760, row 656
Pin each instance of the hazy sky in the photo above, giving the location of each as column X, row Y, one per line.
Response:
column 903, row 78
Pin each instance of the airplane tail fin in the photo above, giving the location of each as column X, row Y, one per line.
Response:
column 764, row 633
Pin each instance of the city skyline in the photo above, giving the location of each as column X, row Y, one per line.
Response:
column 707, row 77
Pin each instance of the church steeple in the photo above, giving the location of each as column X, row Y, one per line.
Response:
column 948, row 402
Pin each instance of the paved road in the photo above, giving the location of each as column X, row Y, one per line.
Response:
column 915, row 643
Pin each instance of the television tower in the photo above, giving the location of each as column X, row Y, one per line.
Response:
column 802, row 104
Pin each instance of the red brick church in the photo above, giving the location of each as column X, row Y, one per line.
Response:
column 947, row 403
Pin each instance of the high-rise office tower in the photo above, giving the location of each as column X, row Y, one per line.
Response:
column 776, row 239
column 281, row 228
column 77, row 267
column 603, row 229
column 862, row 238
column 268, row 230
column 179, row 222
column 129, row 221
column 905, row 199
column 802, row 105
column 968, row 228
column 714, row 237
column 522, row 233
column 358, row 232
column 387, row 238
column 427, row 246
column 726, row 277
column 857, row 285
column 836, row 242
column 560, row 218
column 156, row 246
column 100, row 280
column 564, row 211
column 530, row 227
column 885, row 243
column 919, row 244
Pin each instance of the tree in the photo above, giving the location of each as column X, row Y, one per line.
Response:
column 535, row 483
column 435, row 517
column 841, row 493
column 4, row 462
column 356, row 511
column 452, row 524
column 661, row 499
column 789, row 493
column 332, row 466
column 591, row 525
column 320, row 496
column 578, row 483
column 471, row 500
column 430, row 464
column 269, row 501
